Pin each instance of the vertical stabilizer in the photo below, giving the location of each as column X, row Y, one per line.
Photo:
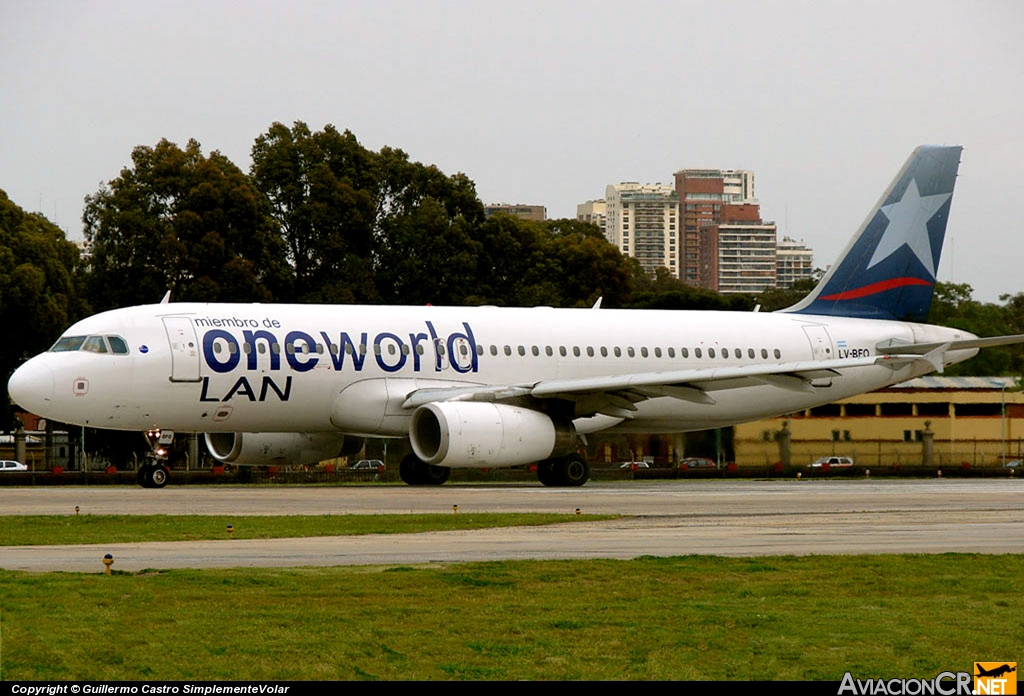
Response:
column 888, row 270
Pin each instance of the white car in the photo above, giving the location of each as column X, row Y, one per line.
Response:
column 11, row 465
column 832, row 462
column 367, row 465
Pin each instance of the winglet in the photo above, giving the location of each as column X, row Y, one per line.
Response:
column 887, row 271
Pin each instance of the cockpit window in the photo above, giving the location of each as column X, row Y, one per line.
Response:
column 92, row 344
column 118, row 346
column 95, row 344
column 68, row 343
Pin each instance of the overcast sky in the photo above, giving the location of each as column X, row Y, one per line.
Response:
column 545, row 102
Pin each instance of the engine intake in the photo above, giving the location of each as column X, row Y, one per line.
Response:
column 470, row 434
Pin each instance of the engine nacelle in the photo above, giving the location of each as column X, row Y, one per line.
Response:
column 471, row 434
column 279, row 448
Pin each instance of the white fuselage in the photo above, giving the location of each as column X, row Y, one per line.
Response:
column 308, row 368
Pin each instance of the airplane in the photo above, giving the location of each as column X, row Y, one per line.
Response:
column 995, row 671
column 477, row 387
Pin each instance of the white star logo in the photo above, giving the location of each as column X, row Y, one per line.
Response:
column 908, row 225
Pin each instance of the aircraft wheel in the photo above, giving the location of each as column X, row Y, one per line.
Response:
column 546, row 473
column 573, row 470
column 142, row 477
column 434, row 475
column 159, row 476
column 411, row 470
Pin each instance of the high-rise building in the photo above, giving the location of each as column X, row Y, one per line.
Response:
column 793, row 261
column 746, row 250
column 594, row 212
column 702, row 193
column 642, row 220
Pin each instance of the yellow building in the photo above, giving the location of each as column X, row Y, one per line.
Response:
column 971, row 419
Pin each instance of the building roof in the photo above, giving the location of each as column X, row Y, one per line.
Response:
column 938, row 382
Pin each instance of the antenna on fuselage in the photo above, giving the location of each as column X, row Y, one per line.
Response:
column 597, row 305
column 167, row 298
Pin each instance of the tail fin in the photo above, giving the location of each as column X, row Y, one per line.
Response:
column 888, row 270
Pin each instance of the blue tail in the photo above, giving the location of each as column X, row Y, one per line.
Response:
column 888, row 270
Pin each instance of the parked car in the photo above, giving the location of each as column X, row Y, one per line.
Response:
column 11, row 465
column 697, row 463
column 633, row 466
column 832, row 461
column 1015, row 464
column 367, row 465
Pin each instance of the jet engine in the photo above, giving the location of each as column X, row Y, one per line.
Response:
column 468, row 434
column 277, row 448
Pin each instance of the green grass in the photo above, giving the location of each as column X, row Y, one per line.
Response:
column 650, row 618
column 108, row 529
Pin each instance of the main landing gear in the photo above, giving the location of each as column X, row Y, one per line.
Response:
column 152, row 475
column 570, row 470
column 418, row 473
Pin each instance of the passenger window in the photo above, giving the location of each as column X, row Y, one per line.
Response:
column 643, row 351
column 657, row 352
column 576, row 351
column 618, row 352
column 508, row 350
column 696, row 352
column 630, row 352
column 494, row 350
column 764, row 353
column 750, row 353
column 778, row 353
column 604, row 352
column 671, row 352
column 561, row 351
column 590, row 351
column 522, row 351
column 685, row 352
column 548, row 351
column 535, row 350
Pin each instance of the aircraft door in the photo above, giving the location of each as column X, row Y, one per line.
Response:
column 184, row 349
column 821, row 343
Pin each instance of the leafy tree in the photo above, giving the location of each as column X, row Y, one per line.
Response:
column 320, row 187
column 774, row 299
column 362, row 226
column 39, row 296
column 953, row 305
column 176, row 220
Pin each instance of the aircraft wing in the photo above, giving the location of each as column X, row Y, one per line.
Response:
column 615, row 395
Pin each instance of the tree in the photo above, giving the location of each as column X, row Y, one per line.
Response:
column 320, row 187
column 361, row 226
column 953, row 305
column 176, row 220
column 39, row 295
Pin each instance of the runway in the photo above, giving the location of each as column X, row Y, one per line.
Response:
column 666, row 518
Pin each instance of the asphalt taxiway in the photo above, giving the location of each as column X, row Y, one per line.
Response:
column 664, row 518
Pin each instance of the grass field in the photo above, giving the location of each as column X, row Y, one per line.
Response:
column 109, row 529
column 694, row 617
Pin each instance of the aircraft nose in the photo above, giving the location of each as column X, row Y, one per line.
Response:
column 31, row 386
